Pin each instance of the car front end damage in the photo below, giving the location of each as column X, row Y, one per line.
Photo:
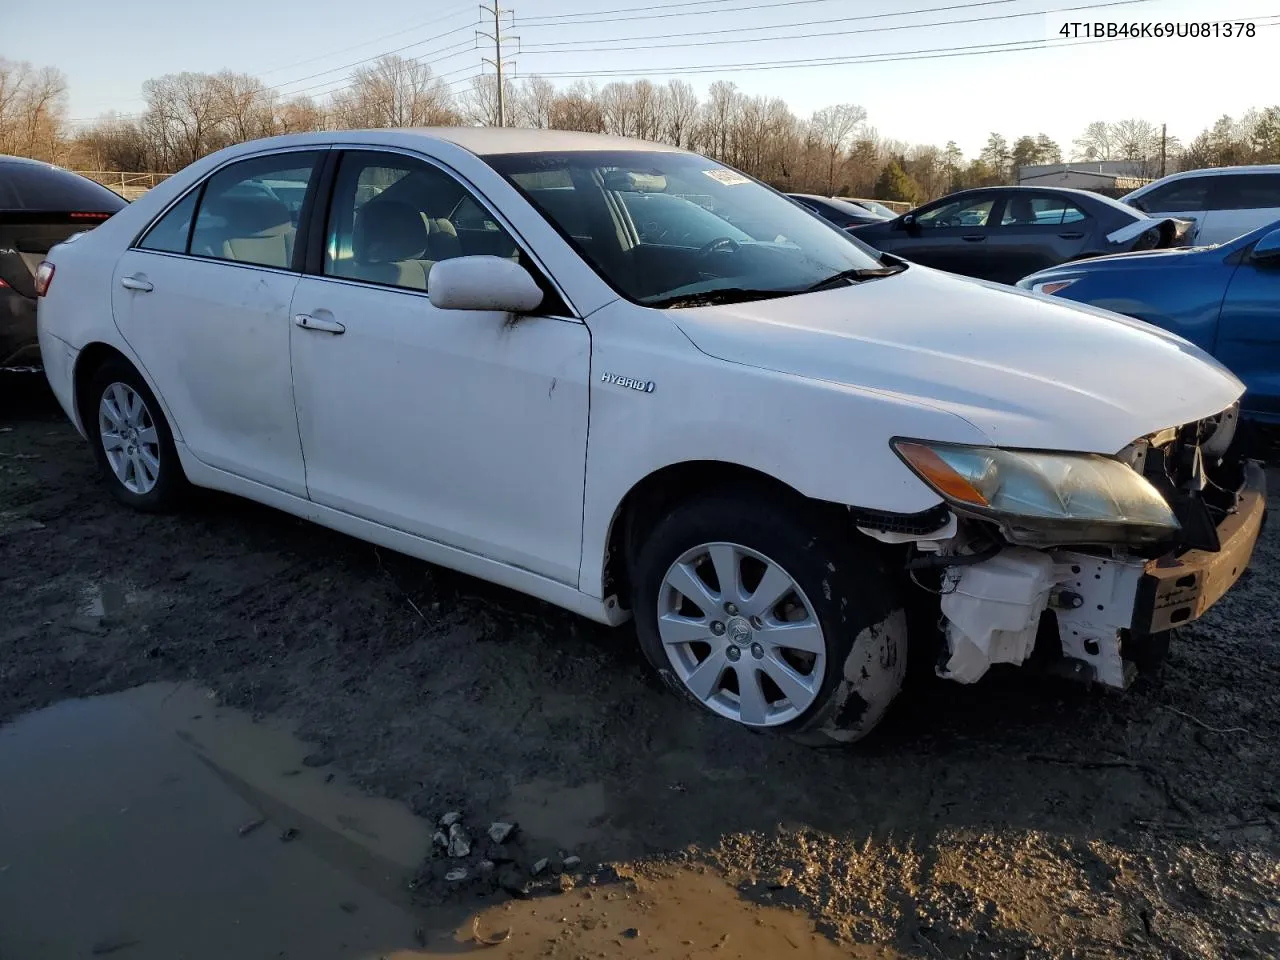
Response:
column 1084, row 561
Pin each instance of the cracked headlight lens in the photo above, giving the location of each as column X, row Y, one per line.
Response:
column 1044, row 497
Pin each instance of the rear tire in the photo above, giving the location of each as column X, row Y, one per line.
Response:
column 811, row 639
column 131, row 439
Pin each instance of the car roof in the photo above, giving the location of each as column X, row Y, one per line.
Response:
column 481, row 141
column 1219, row 172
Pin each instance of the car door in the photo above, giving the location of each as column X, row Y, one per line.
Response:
column 1035, row 231
column 467, row 428
column 1240, row 203
column 203, row 299
column 950, row 235
column 1249, row 333
column 1187, row 199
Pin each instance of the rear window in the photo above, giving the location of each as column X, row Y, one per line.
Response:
column 30, row 186
column 1248, row 191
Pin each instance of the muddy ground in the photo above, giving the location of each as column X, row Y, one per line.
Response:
column 1019, row 817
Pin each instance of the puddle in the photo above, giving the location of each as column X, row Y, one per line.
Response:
column 125, row 830
column 154, row 824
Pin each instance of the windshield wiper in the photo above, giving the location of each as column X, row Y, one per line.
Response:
column 710, row 298
column 845, row 277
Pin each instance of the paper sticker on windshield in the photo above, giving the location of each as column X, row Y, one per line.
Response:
column 727, row 177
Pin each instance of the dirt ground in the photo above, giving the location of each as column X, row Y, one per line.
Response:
column 1019, row 817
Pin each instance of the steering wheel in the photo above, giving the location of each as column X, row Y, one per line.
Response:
column 719, row 245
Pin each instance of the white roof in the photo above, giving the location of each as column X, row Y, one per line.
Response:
column 1222, row 171
column 481, row 141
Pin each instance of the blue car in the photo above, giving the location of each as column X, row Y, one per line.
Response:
column 1225, row 299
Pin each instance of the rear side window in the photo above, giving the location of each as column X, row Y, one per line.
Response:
column 249, row 211
column 1247, row 191
column 169, row 234
column 1181, row 196
column 1045, row 211
column 31, row 186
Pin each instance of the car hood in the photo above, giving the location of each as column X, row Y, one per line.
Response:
column 1026, row 370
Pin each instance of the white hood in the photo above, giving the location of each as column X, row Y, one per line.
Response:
column 1026, row 370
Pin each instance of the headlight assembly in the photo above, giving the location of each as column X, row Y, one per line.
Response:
column 1043, row 498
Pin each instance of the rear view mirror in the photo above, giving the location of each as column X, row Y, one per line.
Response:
column 628, row 181
column 482, row 283
column 1268, row 247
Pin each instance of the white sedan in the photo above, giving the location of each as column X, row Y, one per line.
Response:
column 629, row 380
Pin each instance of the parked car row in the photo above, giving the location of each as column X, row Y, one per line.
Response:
column 638, row 384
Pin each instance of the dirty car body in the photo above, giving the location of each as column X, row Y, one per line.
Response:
column 464, row 347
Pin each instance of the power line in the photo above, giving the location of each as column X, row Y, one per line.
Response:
column 434, row 21
column 377, row 56
column 496, row 60
column 651, row 7
column 935, row 53
column 766, row 6
column 567, row 45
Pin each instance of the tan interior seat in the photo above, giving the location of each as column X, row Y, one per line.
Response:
column 259, row 230
column 390, row 245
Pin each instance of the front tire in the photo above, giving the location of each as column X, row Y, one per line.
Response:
column 747, row 611
column 131, row 439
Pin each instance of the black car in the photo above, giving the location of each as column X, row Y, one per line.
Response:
column 1006, row 233
column 40, row 205
column 840, row 212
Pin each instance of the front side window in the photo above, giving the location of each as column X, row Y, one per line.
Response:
column 394, row 217
column 249, row 210
column 958, row 213
column 666, row 229
column 1041, row 211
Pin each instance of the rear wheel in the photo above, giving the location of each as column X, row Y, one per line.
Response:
column 747, row 612
column 131, row 439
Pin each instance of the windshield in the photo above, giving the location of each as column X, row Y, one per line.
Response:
column 661, row 226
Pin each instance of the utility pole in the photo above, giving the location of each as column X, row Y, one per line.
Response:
column 1164, row 146
column 498, row 38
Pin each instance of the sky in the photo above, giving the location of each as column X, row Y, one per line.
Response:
column 912, row 73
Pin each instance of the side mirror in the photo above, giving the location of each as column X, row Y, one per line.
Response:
column 482, row 283
column 907, row 220
column 1267, row 249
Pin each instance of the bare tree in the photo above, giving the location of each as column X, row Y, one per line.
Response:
column 184, row 117
column 718, row 113
column 534, row 103
column 681, row 115
column 479, row 105
column 247, row 106
column 1096, row 142
column 834, row 129
column 578, row 108
column 394, row 91
column 33, row 104
column 300, row 115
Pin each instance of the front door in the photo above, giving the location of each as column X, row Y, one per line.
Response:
column 1249, row 335
column 951, row 236
column 206, row 309
column 468, row 428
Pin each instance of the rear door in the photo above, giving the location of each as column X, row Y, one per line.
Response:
column 1036, row 231
column 205, row 305
column 950, row 235
column 1239, row 203
column 1187, row 199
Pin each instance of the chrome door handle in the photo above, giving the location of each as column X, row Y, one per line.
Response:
column 308, row 322
column 136, row 283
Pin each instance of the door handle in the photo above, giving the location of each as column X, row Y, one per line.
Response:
column 974, row 237
column 308, row 322
column 136, row 283
column 1071, row 236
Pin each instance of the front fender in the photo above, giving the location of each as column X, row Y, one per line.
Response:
column 826, row 440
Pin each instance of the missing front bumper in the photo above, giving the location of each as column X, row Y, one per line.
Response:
column 993, row 610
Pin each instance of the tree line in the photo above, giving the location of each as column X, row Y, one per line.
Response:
column 834, row 151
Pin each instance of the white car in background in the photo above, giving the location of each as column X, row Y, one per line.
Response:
column 1224, row 202
column 461, row 345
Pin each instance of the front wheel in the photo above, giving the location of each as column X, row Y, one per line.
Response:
column 749, row 613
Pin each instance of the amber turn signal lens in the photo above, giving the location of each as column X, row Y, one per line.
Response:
column 935, row 471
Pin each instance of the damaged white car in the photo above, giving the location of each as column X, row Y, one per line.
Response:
column 633, row 382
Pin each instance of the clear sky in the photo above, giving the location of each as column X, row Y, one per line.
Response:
column 307, row 45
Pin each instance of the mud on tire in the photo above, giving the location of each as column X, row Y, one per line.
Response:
column 863, row 626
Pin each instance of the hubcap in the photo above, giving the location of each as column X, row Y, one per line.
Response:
column 129, row 438
column 764, row 663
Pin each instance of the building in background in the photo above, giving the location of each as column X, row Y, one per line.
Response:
column 1112, row 178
